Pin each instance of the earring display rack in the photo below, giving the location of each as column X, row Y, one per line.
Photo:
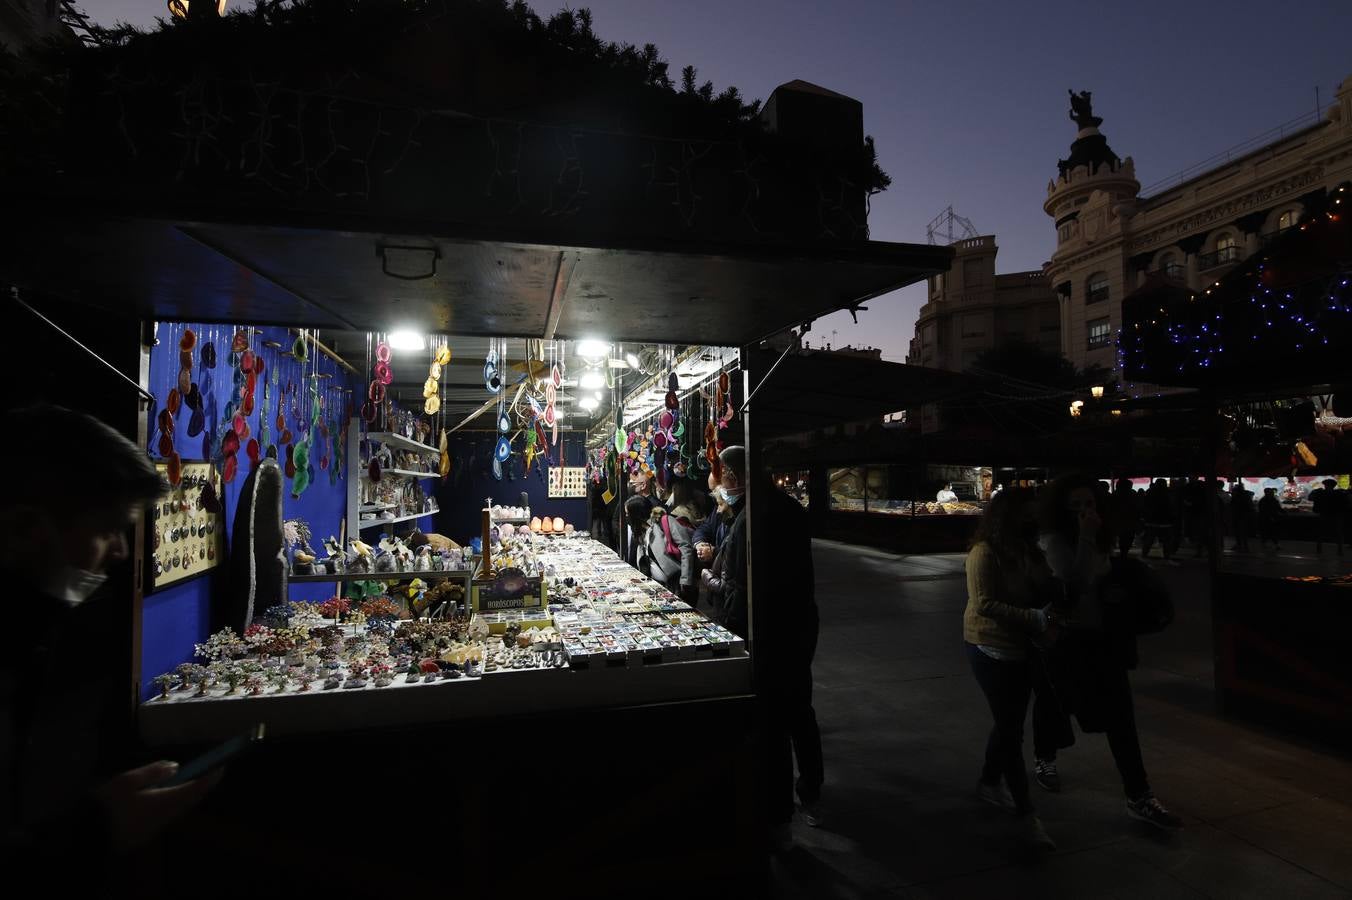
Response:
column 185, row 539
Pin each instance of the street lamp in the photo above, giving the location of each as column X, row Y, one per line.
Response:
column 1075, row 407
column 183, row 9
column 1097, row 391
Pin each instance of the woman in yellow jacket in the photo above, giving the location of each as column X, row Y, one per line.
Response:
column 1009, row 591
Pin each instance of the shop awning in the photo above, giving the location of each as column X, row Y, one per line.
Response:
column 814, row 390
column 334, row 278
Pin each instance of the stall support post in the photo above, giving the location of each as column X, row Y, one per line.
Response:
column 755, row 506
column 1210, row 445
column 818, row 498
column 354, row 475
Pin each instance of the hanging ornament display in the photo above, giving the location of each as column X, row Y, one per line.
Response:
column 431, row 402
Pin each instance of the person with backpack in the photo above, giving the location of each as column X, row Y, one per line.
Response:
column 1088, row 665
column 668, row 543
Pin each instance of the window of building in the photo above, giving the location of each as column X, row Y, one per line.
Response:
column 1099, row 333
column 1065, row 231
column 1096, row 289
column 1227, row 249
column 973, row 272
column 1012, row 323
column 1170, row 266
column 1287, row 220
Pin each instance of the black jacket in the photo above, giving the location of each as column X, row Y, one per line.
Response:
column 786, row 605
column 59, row 730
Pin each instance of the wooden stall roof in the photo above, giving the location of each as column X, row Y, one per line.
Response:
column 814, row 390
column 333, row 275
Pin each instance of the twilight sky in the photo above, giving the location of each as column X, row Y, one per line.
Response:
column 967, row 101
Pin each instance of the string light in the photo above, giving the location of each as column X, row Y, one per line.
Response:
column 1190, row 337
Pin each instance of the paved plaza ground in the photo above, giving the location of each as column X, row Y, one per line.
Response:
column 903, row 727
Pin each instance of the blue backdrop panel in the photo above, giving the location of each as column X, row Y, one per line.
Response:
column 461, row 496
column 179, row 616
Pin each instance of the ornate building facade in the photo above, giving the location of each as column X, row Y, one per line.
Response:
column 972, row 309
column 1109, row 239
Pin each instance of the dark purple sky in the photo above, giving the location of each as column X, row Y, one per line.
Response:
column 967, row 100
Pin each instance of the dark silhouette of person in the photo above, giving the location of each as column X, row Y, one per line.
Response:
column 785, row 639
column 67, row 820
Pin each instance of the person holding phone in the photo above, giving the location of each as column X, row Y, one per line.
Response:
column 59, row 537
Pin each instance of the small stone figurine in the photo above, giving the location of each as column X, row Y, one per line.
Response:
column 334, row 562
column 358, row 557
column 164, row 683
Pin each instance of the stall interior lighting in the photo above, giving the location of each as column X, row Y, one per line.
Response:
column 592, row 350
column 588, row 403
column 631, row 359
column 591, row 381
column 407, row 340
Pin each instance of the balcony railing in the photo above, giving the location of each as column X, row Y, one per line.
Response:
column 1268, row 237
column 1222, row 257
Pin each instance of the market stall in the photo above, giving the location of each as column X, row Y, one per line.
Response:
column 1265, row 348
column 274, row 185
column 373, row 595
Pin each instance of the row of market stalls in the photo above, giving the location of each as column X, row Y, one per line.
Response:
column 366, row 274
column 1263, row 353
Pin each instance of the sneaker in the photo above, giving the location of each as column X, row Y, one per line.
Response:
column 995, row 794
column 1035, row 835
column 1149, row 810
column 1045, row 774
column 812, row 814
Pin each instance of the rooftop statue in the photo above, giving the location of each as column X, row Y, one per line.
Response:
column 1082, row 110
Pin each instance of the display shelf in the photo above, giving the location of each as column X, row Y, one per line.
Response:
column 403, row 443
column 375, row 507
column 184, row 719
column 371, row 523
column 519, row 521
column 379, row 576
column 408, row 472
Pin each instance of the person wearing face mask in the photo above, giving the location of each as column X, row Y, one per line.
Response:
column 640, row 486
column 60, row 536
column 1008, row 590
column 785, row 639
column 709, row 540
column 1088, row 667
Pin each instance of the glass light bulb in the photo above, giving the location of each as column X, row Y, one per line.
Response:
column 592, row 349
column 407, row 340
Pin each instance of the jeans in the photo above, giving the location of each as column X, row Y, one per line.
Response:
column 1007, row 685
